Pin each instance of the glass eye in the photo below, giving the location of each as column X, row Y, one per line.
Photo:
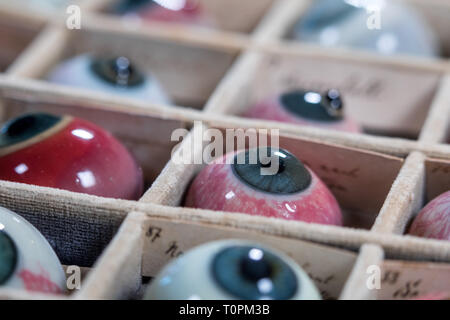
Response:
column 118, row 71
column 8, row 257
column 232, row 269
column 271, row 170
column 27, row 262
column 252, row 273
column 115, row 75
column 314, row 106
column 334, row 23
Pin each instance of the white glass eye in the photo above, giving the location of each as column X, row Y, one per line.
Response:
column 26, row 259
column 385, row 27
column 116, row 76
column 232, row 269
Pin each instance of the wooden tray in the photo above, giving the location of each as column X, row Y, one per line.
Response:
column 381, row 177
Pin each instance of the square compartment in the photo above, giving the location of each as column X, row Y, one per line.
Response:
column 154, row 239
column 437, row 182
column 146, row 137
column 375, row 95
column 188, row 72
column 347, row 174
column 77, row 237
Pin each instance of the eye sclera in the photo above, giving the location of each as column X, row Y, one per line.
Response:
column 117, row 71
column 8, row 257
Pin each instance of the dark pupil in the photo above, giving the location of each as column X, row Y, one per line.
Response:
column 118, row 71
column 26, row 127
column 8, row 257
column 309, row 106
column 253, row 273
column 290, row 177
column 136, row 5
column 255, row 269
column 21, row 126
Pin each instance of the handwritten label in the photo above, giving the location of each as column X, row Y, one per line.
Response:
column 320, row 281
column 441, row 169
column 408, row 280
column 402, row 290
column 153, row 233
column 354, row 83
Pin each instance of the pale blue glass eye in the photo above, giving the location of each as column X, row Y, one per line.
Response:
column 400, row 29
column 81, row 71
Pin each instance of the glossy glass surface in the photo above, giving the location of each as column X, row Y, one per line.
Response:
column 73, row 154
column 173, row 11
column 88, row 72
column 217, row 271
column 26, row 259
column 218, row 187
column 381, row 26
column 434, row 220
column 306, row 108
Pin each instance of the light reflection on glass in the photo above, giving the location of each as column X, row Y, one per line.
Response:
column 387, row 43
column 329, row 36
column 265, row 285
column 87, row 178
column 289, row 208
column 83, row 134
column 280, row 154
column 175, row 5
column 255, row 254
column 230, row 195
column 313, row 97
column 21, row 168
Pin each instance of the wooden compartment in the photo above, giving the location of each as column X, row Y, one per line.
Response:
column 177, row 236
column 376, row 275
column 347, row 174
column 15, row 35
column 375, row 95
column 431, row 180
column 437, row 178
column 174, row 63
column 150, row 143
column 78, row 236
